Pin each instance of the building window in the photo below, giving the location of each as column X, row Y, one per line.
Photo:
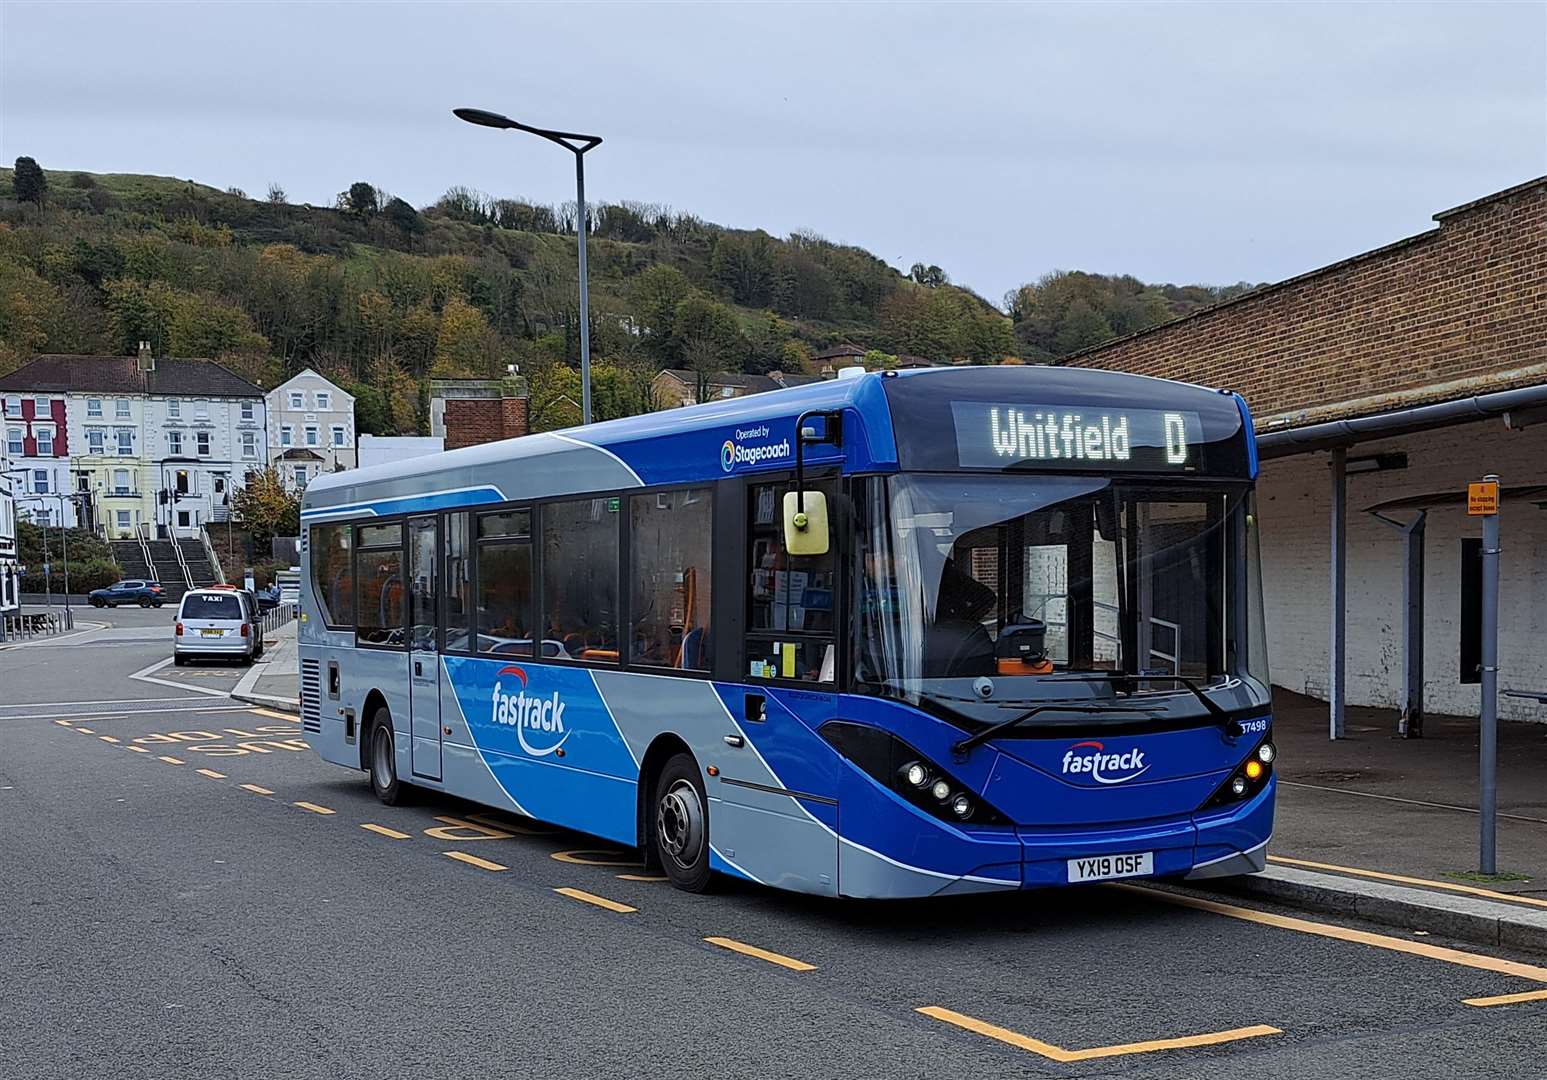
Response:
column 286, row 435
column 94, row 406
column 300, row 476
column 121, row 408
column 580, row 578
column 14, row 442
column 96, row 439
column 297, row 399
column 174, row 442
column 249, row 444
column 203, row 439
column 247, row 410
column 201, row 410
column 182, row 482
column 45, row 442
column 40, row 482
column 332, row 578
column 174, row 408
column 120, row 481
column 311, row 435
column 42, row 406
column 44, row 516
column 220, row 483
column 123, row 521
column 338, row 435
column 324, row 401
column 184, row 519
column 790, row 600
column 82, row 481
column 379, row 585
column 505, row 624
column 669, row 537
column 13, row 406
column 125, row 442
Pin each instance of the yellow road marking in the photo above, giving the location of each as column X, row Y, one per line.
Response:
column 276, row 715
column 583, row 857
column 455, row 829
column 256, row 790
column 497, row 823
column 643, row 877
column 170, row 760
column 1058, row 1053
column 84, row 730
column 137, row 749
column 107, row 738
column 314, row 808
column 384, row 831
column 64, row 723
column 1507, row 999
column 1470, row 890
column 1343, row 933
column 762, row 954
column 212, row 774
column 592, row 898
column 473, row 860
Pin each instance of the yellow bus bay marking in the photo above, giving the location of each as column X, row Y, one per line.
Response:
column 1449, row 886
column 107, row 738
column 457, row 830
column 473, row 860
column 761, row 954
column 1508, row 999
column 256, row 790
column 599, row 901
column 314, row 808
column 1343, row 933
column 1059, row 1054
column 384, row 831
column 587, row 857
column 212, row 774
column 171, row 760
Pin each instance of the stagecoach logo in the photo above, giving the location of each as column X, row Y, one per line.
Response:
column 528, row 713
column 734, row 452
column 1090, row 758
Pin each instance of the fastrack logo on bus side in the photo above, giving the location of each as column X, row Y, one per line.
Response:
column 529, row 713
column 1090, row 758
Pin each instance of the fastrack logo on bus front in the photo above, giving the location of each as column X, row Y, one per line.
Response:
column 732, row 453
column 529, row 713
column 1090, row 758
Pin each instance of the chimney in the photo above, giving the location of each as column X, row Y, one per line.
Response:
column 147, row 362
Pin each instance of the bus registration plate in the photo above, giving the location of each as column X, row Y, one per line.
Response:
column 1105, row 867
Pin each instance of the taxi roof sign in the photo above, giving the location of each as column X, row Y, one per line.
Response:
column 1482, row 498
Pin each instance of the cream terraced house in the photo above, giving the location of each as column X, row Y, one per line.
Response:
column 311, row 429
column 162, row 442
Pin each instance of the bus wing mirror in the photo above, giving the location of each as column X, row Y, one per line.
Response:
column 805, row 523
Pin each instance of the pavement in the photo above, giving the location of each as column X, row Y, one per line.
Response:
column 274, row 681
column 189, row 892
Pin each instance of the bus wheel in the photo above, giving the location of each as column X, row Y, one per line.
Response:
column 681, row 829
column 384, row 781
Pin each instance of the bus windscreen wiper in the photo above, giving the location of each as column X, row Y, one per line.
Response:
column 1232, row 726
column 978, row 738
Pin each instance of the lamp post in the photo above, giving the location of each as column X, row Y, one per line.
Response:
column 577, row 145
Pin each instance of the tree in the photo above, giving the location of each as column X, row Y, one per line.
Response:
column 30, row 183
column 362, row 199
column 465, row 344
column 267, row 508
column 405, row 219
column 654, row 297
column 277, row 194
column 929, row 276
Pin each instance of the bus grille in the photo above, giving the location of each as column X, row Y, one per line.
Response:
column 311, row 696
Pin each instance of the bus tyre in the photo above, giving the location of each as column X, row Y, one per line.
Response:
column 384, row 779
column 680, row 829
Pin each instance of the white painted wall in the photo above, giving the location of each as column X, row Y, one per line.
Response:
column 340, row 414
column 1294, row 498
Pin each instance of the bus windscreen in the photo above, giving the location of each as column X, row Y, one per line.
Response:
column 1002, row 436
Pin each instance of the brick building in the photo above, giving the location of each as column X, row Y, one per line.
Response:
column 1379, row 386
column 467, row 412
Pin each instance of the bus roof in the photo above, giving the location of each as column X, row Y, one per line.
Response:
column 746, row 434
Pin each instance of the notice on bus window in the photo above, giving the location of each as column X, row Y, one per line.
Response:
column 993, row 436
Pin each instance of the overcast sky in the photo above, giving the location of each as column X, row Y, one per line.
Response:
column 1183, row 143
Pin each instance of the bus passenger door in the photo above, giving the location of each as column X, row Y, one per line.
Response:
column 424, row 654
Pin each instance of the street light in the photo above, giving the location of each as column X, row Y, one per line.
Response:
column 577, row 145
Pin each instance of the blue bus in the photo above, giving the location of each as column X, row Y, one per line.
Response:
column 896, row 634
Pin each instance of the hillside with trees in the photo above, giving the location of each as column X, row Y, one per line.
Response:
column 380, row 296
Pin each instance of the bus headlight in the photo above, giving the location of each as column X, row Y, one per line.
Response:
column 1266, row 753
column 912, row 776
column 1246, row 779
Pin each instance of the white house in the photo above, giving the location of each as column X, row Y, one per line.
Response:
column 10, row 572
column 311, row 428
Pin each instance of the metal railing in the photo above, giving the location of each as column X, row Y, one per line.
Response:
column 214, row 560
column 182, row 563
column 276, row 617
column 142, row 534
column 24, row 625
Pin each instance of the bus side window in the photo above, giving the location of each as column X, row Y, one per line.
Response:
column 332, row 574
column 456, row 589
column 790, row 597
column 580, row 579
column 669, row 538
column 505, row 583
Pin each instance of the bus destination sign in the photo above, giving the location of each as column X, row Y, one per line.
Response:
column 991, row 436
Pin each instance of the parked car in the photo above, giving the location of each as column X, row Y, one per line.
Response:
column 216, row 622
column 128, row 591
